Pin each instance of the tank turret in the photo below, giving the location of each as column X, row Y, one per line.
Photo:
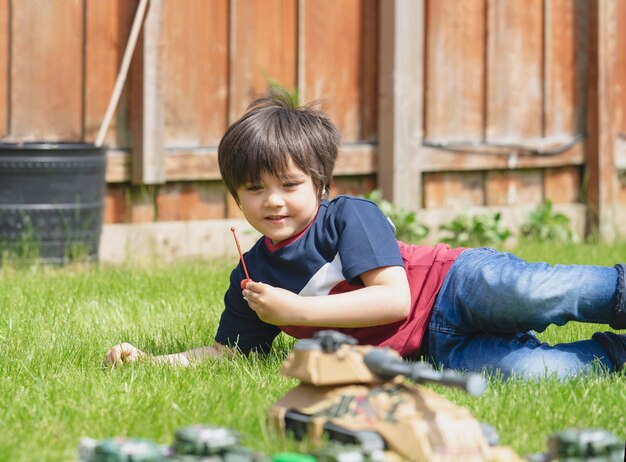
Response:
column 333, row 358
column 370, row 397
column 383, row 365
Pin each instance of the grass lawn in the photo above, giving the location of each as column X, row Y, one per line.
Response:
column 57, row 324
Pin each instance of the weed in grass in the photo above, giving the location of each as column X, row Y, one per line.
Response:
column 24, row 252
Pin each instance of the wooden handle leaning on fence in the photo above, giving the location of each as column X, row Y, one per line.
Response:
column 123, row 72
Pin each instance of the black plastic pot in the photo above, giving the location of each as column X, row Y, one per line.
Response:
column 51, row 199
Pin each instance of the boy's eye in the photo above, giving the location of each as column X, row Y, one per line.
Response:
column 254, row 187
column 292, row 183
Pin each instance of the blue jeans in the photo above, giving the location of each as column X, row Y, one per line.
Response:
column 491, row 302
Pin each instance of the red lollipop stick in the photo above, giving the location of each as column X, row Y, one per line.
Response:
column 243, row 263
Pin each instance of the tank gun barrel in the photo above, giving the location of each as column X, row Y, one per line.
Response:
column 387, row 366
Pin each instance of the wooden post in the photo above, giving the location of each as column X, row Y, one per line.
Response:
column 146, row 111
column 4, row 68
column 400, row 127
column 602, row 187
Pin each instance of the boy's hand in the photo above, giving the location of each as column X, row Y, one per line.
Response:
column 122, row 354
column 272, row 304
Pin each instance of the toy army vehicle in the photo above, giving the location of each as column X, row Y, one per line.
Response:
column 583, row 445
column 195, row 443
column 358, row 395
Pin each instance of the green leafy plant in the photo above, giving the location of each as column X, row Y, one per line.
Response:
column 476, row 231
column 23, row 251
column 293, row 93
column 543, row 224
column 408, row 229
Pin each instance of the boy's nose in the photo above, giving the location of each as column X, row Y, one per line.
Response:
column 274, row 200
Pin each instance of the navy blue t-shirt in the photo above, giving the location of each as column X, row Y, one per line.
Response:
column 348, row 237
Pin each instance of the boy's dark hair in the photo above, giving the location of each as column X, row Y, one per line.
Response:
column 272, row 131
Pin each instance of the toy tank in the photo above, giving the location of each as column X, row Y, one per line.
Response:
column 583, row 445
column 358, row 395
column 195, row 443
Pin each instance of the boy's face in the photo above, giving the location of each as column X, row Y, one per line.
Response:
column 280, row 207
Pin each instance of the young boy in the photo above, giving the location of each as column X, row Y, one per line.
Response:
column 336, row 264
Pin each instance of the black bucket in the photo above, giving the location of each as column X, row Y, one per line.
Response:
column 51, row 199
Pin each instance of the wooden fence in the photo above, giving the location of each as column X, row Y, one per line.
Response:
column 443, row 104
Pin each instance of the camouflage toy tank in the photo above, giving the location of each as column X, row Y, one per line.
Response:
column 583, row 445
column 195, row 443
column 358, row 395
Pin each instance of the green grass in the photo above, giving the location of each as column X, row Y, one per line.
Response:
column 57, row 324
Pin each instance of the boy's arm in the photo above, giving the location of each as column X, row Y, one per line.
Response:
column 125, row 353
column 386, row 298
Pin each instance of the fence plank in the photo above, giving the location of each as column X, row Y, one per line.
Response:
column 147, row 109
column 358, row 159
column 514, row 187
column 107, row 29
column 401, row 102
column 4, row 67
column 620, row 111
column 560, row 65
column 201, row 164
column 141, row 204
column 562, row 185
column 455, row 70
column 620, row 70
column 514, row 70
column 194, row 54
column 116, row 204
column 453, row 190
column 370, row 64
column 263, row 48
column 196, row 164
column 439, row 160
column 190, row 201
column 47, row 69
column 334, row 47
column 602, row 185
column 353, row 185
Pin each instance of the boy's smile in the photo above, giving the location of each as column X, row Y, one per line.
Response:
column 280, row 207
